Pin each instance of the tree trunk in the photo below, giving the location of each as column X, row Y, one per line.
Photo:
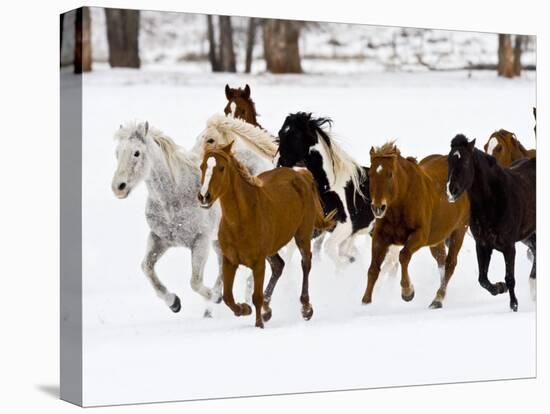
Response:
column 250, row 42
column 518, row 48
column 82, row 41
column 123, row 37
column 505, row 56
column 281, row 50
column 212, row 48
column 61, row 22
column 227, row 53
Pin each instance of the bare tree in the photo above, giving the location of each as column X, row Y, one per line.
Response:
column 82, row 44
column 250, row 42
column 227, row 52
column 123, row 37
column 505, row 66
column 212, row 48
column 281, row 49
column 518, row 48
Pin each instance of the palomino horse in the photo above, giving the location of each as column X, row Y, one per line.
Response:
column 240, row 105
column 260, row 215
column 506, row 148
column 409, row 202
column 503, row 208
column 173, row 213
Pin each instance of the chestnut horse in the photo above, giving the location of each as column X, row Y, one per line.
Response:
column 260, row 215
column 240, row 105
column 411, row 207
column 506, row 148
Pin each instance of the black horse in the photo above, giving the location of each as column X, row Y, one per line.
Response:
column 503, row 208
column 343, row 184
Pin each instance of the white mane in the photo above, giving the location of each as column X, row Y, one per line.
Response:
column 175, row 156
column 343, row 164
column 224, row 129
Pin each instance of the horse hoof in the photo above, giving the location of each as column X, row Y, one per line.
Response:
column 218, row 300
column 307, row 313
column 366, row 301
column 407, row 298
column 207, row 313
column 514, row 307
column 266, row 316
column 176, row 306
column 436, row 304
column 245, row 309
column 259, row 324
column 352, row 259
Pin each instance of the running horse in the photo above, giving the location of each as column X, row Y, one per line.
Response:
column 412, row 210
column 260, row 215
column 503, row 209
column 506, row 148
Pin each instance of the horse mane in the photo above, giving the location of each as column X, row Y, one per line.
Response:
column 241, row 169
column 255, row 138
column 387, row 150
column 343, row 164
column 460, row 141
column 174, row 155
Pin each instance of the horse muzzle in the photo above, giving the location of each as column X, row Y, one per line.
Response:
column 121, row 190
column 379, row 211
column 205, row 200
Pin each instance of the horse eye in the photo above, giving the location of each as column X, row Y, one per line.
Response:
column 222, row 168
column 210, row 141
column 136, row 154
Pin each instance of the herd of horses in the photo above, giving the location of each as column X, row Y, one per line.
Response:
column 247, row 194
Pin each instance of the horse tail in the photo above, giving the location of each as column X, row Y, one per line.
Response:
column 322, row 222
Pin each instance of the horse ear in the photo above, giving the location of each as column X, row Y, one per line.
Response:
column 146, row 128
column 371, row 151
column 247, row 91
column 471, row 145
column 228, row 93
column 227, row 148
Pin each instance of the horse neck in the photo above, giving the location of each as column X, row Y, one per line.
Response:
column 161, row 183
column 404, row 172
column 236, row 201
column 484, row 182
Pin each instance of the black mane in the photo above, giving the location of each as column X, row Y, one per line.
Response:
column 459, row 141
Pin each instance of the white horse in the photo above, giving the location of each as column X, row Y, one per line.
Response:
column 173, row 213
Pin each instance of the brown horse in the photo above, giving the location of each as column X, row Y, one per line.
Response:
column 412, row 210
column 260, row 215
column 240, row 105
column 506, row 148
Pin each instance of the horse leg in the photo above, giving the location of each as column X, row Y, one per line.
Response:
column 304, row 245
column 509, row 260
column 531, row 243
column 347, row 248
column 258, row 295
column 483, row 259
column 379, row 250
column 199, row 255
column 217, row 288
column 414, row 242
column 155, row 249
column 318, row 244
column 455, row 243
column 439, row 253
column 277, row 264
column 229, row 270
column 340, row 233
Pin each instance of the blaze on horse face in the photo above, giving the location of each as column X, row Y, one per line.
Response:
column 238, row 103
column 383, row 187
column 295, row 140
column 461, row 167
column 214, row 179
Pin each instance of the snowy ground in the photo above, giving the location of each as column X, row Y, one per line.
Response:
column 137, row 350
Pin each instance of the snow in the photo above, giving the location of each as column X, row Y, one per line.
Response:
column 137, row 350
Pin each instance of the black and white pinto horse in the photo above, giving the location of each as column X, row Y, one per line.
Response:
column 343, row 184
column 503, row 208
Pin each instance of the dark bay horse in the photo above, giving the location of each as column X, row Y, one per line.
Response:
column 506, row 148
column 240, row 105
column 260, row 215
column 409, row 203
column 503, row 208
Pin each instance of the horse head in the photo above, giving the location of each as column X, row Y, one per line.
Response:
column 384, row 177
column 461, row 167
column 240, row 105
column 131, row 154
column 214, row 174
